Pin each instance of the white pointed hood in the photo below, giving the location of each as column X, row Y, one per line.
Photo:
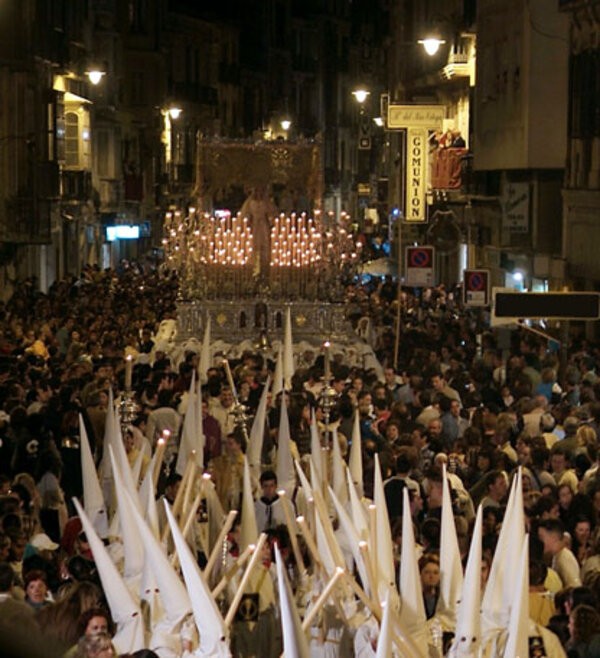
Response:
column 357, row 510
column 304, row 482
column 286, row 477
column 124, row 609
column 338, row 468
column 147, row 495
column 216, row 514
column 412, row 610
column 315, row 445
column 93, row 499
column 451, row 574
column 278, row 374
column 355, row 463
column 384, row 641
column 205, row 354
column 326, row 540
column 288, row 351
column 467, row 639
column 248, row 529
column 517, row 645
column 500, row 588
column 116, row 450
column 384, row 550
column 257, row 433
column 353, row 539
column 192, row 436
column 172, row 593
column 211, row 627
column 132, row 545
column 295, row 643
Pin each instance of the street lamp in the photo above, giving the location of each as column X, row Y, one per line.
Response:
column 95, row 75
column 285, row 124
column 174, row 112
column 170, row 113
column 361, row 95
column 431, row 45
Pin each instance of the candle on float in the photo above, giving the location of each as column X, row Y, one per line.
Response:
column 128, row 372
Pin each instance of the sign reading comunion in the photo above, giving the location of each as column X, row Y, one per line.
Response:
column 416, row 161
column 417, row 120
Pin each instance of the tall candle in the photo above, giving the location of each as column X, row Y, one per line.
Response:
column 327, row 345
column 161, row 446
column 128, row 372
column 229, row 377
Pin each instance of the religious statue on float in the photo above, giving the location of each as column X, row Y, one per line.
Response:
column 260, row 209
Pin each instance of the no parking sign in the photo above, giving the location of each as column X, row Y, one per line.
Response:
column 476, row 289
column 420, row 266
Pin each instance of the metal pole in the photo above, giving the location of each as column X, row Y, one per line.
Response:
column 402, row 204
column 399, row 296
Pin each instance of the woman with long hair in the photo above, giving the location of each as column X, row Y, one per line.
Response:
column 584, row 629
column 61, row 619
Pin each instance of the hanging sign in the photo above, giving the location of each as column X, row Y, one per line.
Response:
column 416, row 175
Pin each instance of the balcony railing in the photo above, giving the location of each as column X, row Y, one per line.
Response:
column 76, row 185
column 447, row 168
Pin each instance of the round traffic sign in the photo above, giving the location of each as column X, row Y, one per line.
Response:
column 475, row 281
column 420, row 257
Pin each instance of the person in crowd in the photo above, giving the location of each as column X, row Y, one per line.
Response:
column 584, row 629
column 551, row 533
column 445, row 354
column 269, row 507
column 227, row 471
column 429, row 569
column 37, row 594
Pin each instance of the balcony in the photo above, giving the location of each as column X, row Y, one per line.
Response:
column 446, row 168
column 76, row 185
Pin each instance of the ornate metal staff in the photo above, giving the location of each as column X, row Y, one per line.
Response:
column 239, row 410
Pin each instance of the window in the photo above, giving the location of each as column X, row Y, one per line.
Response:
column 138, row 16
column 72, row 140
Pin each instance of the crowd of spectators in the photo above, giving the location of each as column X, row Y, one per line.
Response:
column 455, row 395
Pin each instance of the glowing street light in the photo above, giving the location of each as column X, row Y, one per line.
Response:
column 285, row 124
column 361, row 95
column 431, row 45
column 95, row 76
column 174, row 112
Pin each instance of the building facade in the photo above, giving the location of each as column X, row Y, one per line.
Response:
column 513, row 175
